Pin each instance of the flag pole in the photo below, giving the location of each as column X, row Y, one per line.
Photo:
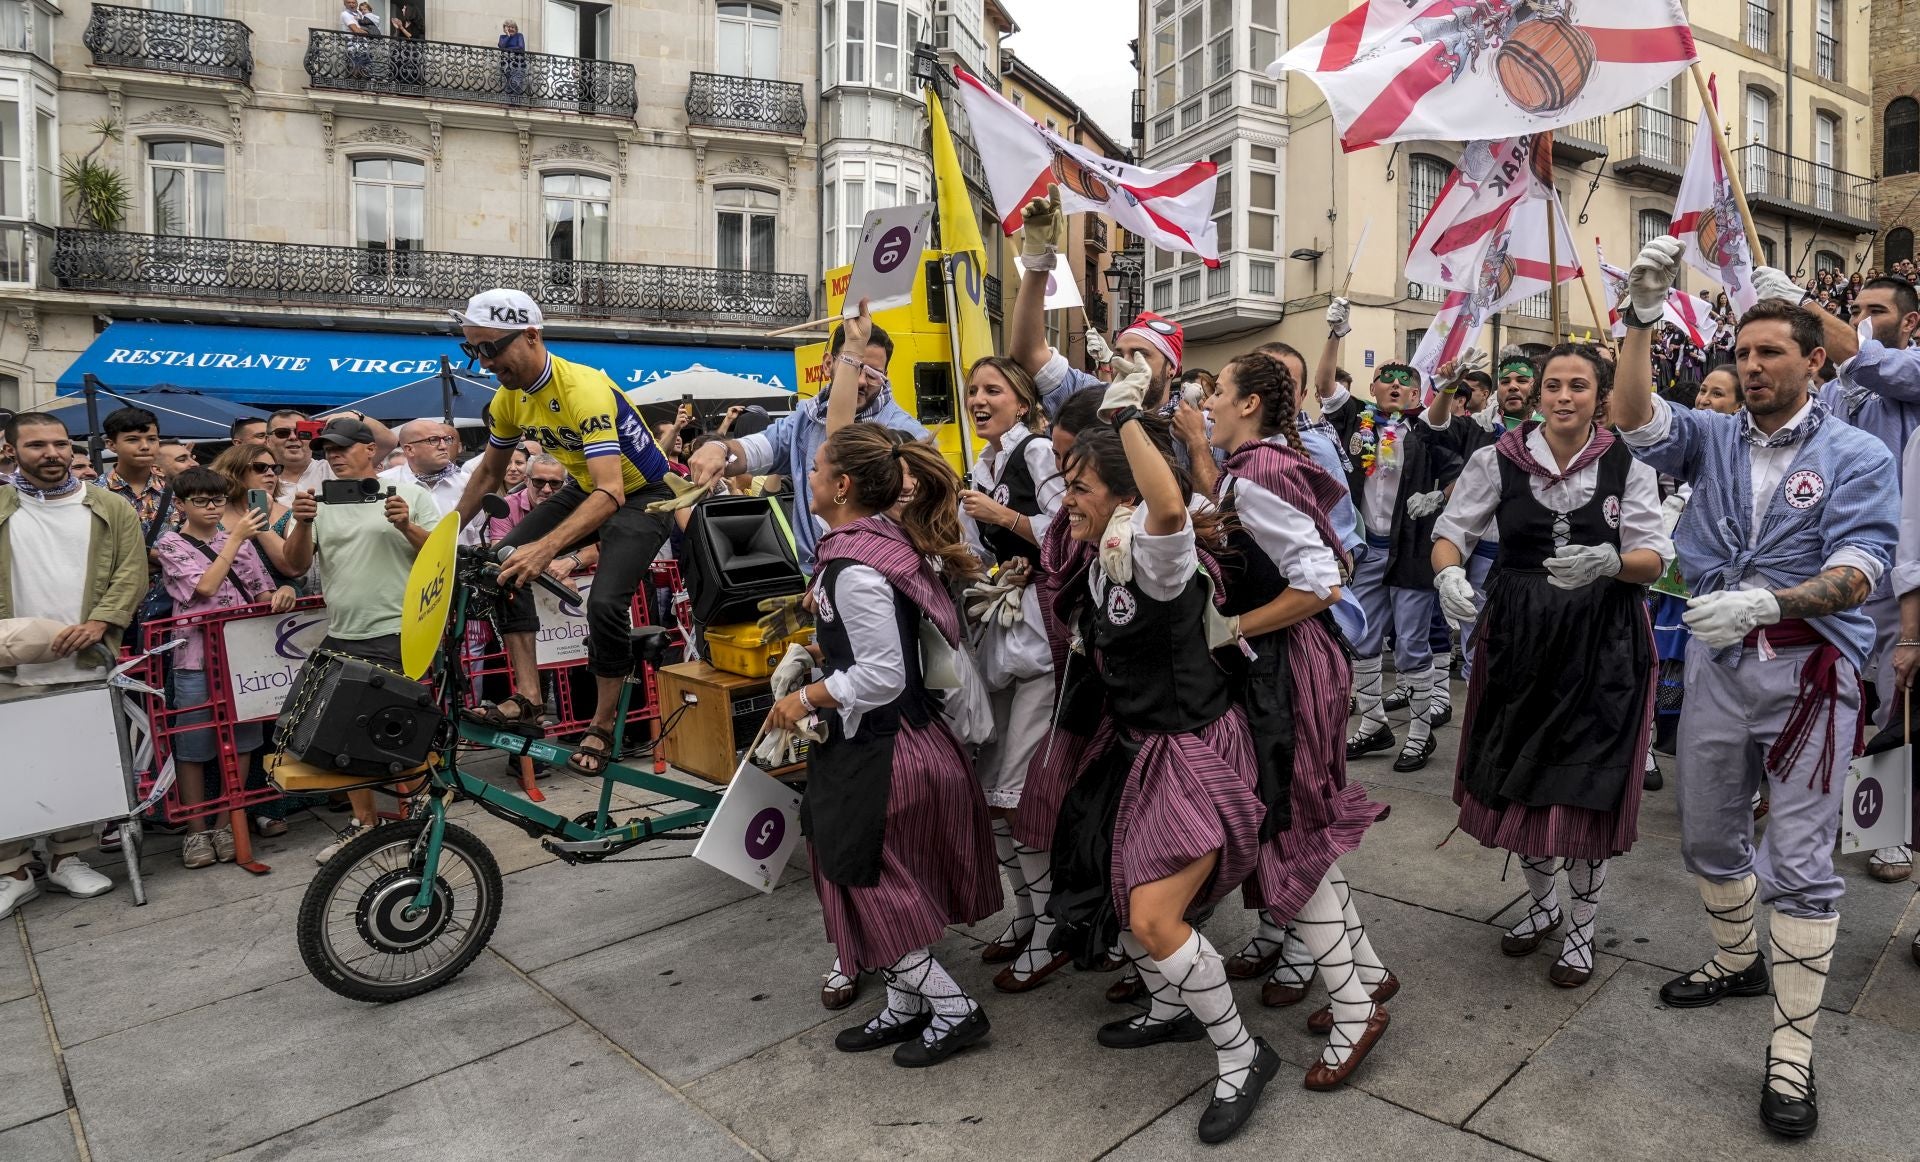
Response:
column 1712, row 115
column 1600, row 326
column 1553, row 266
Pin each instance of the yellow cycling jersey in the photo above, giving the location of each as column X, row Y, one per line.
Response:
column 577, row 414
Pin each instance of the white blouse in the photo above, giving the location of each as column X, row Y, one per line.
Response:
column 1288, row 537
column 1470, row 512
column 1021, row 652
column 1048, row 485
column 862, row 602
column 1162, row 566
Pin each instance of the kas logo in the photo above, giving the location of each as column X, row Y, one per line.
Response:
column 508, row 315
column 288, row 629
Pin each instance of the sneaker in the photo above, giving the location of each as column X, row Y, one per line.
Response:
column 222, row 844
column 76, row 877
column 355, row 829
column 197, row 851
column 14, row 893
column 110, row 838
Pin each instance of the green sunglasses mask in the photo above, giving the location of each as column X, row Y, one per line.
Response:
column 1398, row 376
column 1516, row 367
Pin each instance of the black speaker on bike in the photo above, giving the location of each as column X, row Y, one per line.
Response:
column 736, row 556
column 351, row 716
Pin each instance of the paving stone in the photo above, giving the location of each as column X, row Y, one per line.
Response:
column 565, row 1095
column 1296, row 1123
column 115, row 981
column 48, row 1140
column 755, row 966
column 28, row 1076
column 1630, row 1079
column 1651, row 912
column 1893, row 995
column 1402, row 858
column 246, row 1069
column 16, row 979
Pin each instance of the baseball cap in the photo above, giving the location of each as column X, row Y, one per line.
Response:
column 500, row 309
column 343, row 432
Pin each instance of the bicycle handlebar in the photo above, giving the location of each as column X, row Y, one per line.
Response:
column 560, row 589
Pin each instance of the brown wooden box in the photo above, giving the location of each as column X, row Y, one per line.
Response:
column 707, row 739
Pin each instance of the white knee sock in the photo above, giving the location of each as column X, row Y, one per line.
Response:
column 1543, row 911
column 1802, row 952
column 1438, row 681
column 1730, row 917
column 1418, row 727
column 1201, row 976
column 920, row 974
column 1164, row 1000
column 1007, row 851
column 1366, row 693
column 1372, row 969
column 1585, row 878
column 1323, row 926
column 1295, row 966
column 903, row 1003
column 1036, row 868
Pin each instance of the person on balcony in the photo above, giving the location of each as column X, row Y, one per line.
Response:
column 513, row 70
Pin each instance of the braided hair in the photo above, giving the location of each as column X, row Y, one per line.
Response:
column 1258, row 373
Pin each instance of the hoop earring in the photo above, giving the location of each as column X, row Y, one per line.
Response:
column 839, row 498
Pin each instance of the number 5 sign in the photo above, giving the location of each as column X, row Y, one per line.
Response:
column 888, row 260
column 1879, row 810
column 754, row 830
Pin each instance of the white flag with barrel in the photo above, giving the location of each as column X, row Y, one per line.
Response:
column 1474, row 203
column 1690, row 313
column 1706, row 216
column 1516, row 261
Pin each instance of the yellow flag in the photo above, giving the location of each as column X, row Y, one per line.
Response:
column 966, row 254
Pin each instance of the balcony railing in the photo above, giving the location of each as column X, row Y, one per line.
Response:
column 1797, row 185
column 1759, row 29
column 1096, row 312
column 1096, row 234
column 170, row 42
column 1646, row 138
column 722, row 102
column 1581, row 141
column 970, row 164
column 230, row 270
column 478, row 73
column 990, row 292
column 1826, row 57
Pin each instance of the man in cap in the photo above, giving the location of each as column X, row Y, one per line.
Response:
column 581, row 419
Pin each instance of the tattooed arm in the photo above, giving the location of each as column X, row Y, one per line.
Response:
column 1828, row 592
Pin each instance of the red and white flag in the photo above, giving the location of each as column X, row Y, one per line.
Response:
column 1512, row 265
column 1690, row 313
column 1172, row 209
column 1474, row 202
column 1706, row 217
column 1401, row 70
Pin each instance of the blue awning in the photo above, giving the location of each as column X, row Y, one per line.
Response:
column 265, row 366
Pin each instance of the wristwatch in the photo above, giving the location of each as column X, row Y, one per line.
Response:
column 1123, row 417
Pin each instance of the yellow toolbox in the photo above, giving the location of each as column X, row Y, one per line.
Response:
column 744, row 650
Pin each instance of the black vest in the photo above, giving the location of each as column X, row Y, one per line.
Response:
column 836, row 654
column 1153, row 659
column 1016, row 490
column 1527, row 526
column 1251, row 576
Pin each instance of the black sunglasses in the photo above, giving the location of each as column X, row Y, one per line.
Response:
column 491, row 348
column 545, row 485
column 266, row 466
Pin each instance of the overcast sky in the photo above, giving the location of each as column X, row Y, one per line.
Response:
column 1081, row 46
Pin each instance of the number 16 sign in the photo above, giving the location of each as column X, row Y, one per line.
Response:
column 888, row 259
column 754, row 830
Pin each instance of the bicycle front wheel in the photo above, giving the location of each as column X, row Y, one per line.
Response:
column 359, row 933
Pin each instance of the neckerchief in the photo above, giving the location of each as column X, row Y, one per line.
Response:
column 433, row 478
column 1785, row 437
column 1291, row 476
column 59, row 491
column 1513, row 446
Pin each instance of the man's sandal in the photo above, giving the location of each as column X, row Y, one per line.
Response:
column 526, row 722
column 591, row 763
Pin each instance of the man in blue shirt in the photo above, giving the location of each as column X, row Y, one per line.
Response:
column 788, row 446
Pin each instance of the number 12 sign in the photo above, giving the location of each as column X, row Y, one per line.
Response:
column 754, row 830
column 1879, row 810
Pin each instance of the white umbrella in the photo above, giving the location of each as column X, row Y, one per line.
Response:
column 705, row 385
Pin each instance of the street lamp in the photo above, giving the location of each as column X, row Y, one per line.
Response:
column 1126, row 276
column 926, row 67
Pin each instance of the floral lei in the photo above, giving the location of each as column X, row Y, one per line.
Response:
column 1376, row 453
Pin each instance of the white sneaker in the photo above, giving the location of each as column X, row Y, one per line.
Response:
column 76, row 877
column 355, row 829
column 14, row 893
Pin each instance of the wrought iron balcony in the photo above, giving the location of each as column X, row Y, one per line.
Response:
column 1826, row 57
column 1759, row 29
column 1096, row 234
column 990, row 292
column 482, row 74
column 1096, row 312
column 1651, row 141
column 170, row 42
column 1805, row 189
column 281, row 273
column 1581, row 141
column 722, row 102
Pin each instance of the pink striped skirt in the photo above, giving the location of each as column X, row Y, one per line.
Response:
column 1329, row 815
column 1187, row 796
column 1056, row 763
column 937, row 865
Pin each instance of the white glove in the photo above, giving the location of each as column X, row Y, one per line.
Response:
column 1422, row 505
column 994, row 601
column 1116, row 546
column 1578, row 566
column 1097, row 349
column 1724, row 618
column 1131, row 378
column 1671, row 509
column 1473, row 359
column 792, row 671
column 1489, row 417
column 1456, row 595
column 1043, row 230
column 1652, row 276
column 1865, row 330
column 1339, row 311
column 1221, row 630
column 1771, row 283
